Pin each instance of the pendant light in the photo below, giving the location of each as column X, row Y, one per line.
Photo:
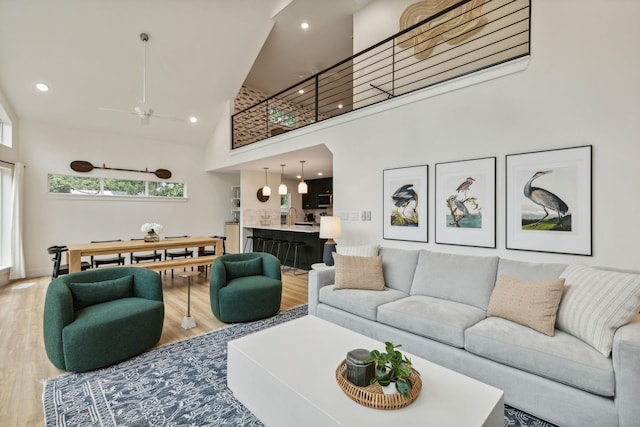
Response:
column 266, row 191
column 302, row 186
column 282, row 189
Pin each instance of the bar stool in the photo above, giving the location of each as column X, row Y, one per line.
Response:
column 295, row 245
column 267, row 242
column 255, row 243
column 277, row 243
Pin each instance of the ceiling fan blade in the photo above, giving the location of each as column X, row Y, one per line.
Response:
column 172, row 118
column 117, row 110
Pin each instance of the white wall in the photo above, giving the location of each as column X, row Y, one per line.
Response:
column 52, row 220
column 580, row 88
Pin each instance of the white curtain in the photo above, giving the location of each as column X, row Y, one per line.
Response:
column 17, row 254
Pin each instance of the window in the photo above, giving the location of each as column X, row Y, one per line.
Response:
column 5, row 129
column 6, row 177
column 110, row 187
column 281, row 117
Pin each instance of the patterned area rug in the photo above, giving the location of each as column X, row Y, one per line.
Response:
column 178, row 384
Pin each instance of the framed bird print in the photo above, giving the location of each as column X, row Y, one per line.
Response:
column 405, row 203
column 465, row 208
column 548, row 204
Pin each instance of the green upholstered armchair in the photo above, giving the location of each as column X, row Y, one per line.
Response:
column 245, row 287
column 96, row 318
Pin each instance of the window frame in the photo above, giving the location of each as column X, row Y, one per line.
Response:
column 101, row 192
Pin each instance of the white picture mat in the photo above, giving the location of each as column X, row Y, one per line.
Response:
column 570, row 180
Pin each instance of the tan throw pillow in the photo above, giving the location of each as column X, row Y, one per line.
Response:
column 532, row 304
column 358, row 272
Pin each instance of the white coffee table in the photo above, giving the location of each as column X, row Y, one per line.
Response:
column 285, row 375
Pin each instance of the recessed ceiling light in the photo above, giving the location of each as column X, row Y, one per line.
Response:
column 193, row 119
column 320, row 173
column 42, row 87
column 301, row 91
column 304, row 25
column 339, row 105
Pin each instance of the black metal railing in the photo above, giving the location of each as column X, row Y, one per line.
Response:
column 469, row 36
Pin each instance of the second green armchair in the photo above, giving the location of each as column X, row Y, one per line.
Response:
column 245, row 287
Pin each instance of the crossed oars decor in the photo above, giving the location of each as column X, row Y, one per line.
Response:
column 82, row 166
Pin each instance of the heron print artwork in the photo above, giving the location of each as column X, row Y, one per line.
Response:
column 405, row 203
column 549, row 201
column 466, row 202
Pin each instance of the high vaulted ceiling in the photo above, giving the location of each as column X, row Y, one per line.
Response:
column 199, row 53
column 90, row 54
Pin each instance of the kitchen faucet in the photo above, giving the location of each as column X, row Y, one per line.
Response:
column 295, row 211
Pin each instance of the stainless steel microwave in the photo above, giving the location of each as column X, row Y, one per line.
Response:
column 325, row 200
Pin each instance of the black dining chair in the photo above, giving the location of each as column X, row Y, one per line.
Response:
column 114, row 260
column 58, row 267
column 210, row 252
column 138, row 257
column 184, row 253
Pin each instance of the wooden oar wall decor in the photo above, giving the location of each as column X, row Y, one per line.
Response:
column 82, row 166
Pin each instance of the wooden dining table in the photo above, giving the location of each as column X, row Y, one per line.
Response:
column 78, row 250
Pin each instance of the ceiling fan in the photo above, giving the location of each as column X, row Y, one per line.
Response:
column 142, row 110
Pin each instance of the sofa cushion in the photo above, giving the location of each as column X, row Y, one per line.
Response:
column 362, row 250
column 532, row 304
column 398, row 266
column 249, row 267
column 86, row 294
column 358, row 272
column 461, row 278
column 440, row 320
column 363, row 303
column 563, row 358
column 530, row 271
column 596, row 303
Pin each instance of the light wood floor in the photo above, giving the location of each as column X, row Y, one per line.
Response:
column 23, row 361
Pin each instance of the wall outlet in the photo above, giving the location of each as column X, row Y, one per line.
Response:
column 354, row 216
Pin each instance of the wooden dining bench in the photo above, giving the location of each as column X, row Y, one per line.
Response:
column 201, row 261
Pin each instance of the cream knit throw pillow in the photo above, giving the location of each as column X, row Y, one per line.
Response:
column 356, row 272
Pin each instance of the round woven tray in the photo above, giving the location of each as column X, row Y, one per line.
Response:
column 372, row 395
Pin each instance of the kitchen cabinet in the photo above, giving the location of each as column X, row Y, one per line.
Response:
column 315, row 187
column 232, row 232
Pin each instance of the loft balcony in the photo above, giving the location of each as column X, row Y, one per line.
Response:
column 469, row 36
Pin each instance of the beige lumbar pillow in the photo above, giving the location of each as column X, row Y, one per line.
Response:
column 358, row 272
column 532, row 304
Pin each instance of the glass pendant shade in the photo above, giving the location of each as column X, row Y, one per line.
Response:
column 282, row 189
column 302, row 186
column 266, row 191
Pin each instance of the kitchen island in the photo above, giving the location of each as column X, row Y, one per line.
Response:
column 308, row 254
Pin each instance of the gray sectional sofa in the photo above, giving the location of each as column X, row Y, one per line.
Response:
column 435, row 305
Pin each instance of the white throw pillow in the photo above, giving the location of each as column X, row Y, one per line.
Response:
column 596, row 303
column 363, row 250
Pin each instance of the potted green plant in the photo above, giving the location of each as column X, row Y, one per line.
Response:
column 392, row 368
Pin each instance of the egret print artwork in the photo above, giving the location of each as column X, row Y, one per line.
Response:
column 548, row 203
column 551, row 212
column 463, row 207
column 405, row 203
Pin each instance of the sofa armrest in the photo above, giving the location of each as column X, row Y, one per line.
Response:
column 317, row 280
column 626, row 365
